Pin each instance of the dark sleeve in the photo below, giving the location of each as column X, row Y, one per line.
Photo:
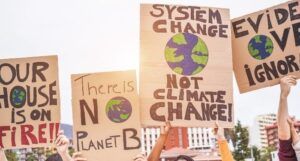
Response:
column 286, row 151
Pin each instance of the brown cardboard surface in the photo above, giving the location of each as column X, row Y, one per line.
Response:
column 265, row 69
column 160, row 59
column 98, row 134
column 30, row 102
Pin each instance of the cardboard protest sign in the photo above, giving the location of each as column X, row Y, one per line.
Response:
column 185, row 66
column 106, row 115
column 266, row 46
column 29, row 102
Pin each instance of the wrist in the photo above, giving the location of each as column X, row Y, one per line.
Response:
column 283, row 96
column 63, row 153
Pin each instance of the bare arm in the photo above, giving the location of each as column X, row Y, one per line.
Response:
column 295, row 136
column 78, row 157
column 284, row 131
column 159, row 145
column 62, row 145
column 226, row 154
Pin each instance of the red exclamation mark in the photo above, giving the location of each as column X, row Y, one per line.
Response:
column 13, row 137
column 56, row 129
column 51, row 132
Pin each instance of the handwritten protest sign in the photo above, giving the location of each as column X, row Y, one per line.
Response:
column 266, row 46
column 29, row 102
column 106, row 115
column 185, row 66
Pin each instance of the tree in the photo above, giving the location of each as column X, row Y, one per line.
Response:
column 31, row 157
column 256, row 153
column 240, row 140
column 266, row 153
column 11, row 156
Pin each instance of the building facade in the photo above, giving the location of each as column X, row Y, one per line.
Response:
column 258, row 134
column 183, row 137
column 272, row 133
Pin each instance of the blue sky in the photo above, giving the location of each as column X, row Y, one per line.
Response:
column 97, row 35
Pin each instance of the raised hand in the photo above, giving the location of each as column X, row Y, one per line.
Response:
column 291, row 121
column 2, row 155
column 218, row 131
column 78, row 157
column 140, row 157
column 62, row 146
column 286, row 83
column 164, row 130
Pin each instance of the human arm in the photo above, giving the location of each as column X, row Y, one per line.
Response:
column 78, row 157
column 294, row 134
column 159, row 145
column 2, row 155
column 222, row 142
column 62, row 145
column 284, row 131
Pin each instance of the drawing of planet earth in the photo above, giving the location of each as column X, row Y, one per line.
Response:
column 260, row 47
column 118, row 109
column 186, row 54
column 18, row 96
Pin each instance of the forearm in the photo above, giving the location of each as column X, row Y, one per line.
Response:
column 220, row 134
column 65, row 156
column 282, row 117
column 224, row 150
column 159, row 145
column 2, row 156
column 295, row 136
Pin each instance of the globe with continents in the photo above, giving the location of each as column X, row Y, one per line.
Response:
column 186, row 54
column 18, row 97
column 118, row 109
column 260, row 47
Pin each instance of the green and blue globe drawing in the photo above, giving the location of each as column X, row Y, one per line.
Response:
column 18, row 96
column 118, row 109
column 186, row 54
column 260, row 47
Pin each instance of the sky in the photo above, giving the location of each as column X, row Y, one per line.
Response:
column 96, row 36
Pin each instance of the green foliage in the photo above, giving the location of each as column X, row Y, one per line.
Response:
column 266, row 153
column 256, row 153
column 240, row 140
column 11, row 156
column 31, row 157
column 48, row 153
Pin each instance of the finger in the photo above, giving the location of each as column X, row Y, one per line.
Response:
column 289, row 120
column 291, row 83
column 64, row 141
column 162, row 129
column 291, row 79
column 76, row 154
column 168, row 124
column 80, row 159
column 60, row 142
column 61, row 132
column 58, row 139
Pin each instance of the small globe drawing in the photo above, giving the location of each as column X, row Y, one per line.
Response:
column 18, row 96
column 186, row 54
column 260, row 47
column 118, row 109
